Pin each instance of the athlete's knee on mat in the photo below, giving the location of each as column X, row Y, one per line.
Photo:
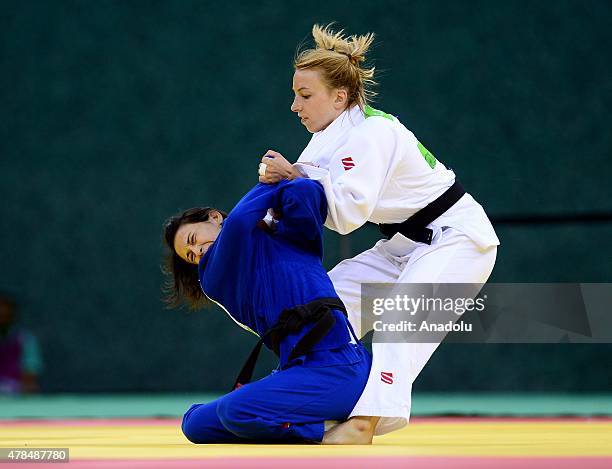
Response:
column 189, row 412
column 237, row 416
column 188, row 425
column 189, row 429
column 230, row 414
column 196, row 426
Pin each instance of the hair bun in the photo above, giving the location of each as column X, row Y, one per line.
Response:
column 353, row 59
column 328, row 56
column 354, row 47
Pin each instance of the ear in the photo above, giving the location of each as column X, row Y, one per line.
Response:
column 215, row 217
column 341, row 99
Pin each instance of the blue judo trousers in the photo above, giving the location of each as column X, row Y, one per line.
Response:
column 254, row 274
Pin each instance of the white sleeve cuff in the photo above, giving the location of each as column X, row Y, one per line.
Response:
column 311, row 172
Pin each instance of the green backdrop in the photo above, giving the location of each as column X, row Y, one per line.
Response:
column 117, row 114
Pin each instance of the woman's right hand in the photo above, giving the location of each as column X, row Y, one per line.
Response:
column 276, row 168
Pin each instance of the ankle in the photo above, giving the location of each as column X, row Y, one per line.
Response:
column 365, row 423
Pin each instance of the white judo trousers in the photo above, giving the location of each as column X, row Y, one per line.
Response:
column 372, row 168
column 451, row 258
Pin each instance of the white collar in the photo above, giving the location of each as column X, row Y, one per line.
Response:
column 340, row 125
column 348, row 119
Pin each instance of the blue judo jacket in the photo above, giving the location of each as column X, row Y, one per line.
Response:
column 255, row 274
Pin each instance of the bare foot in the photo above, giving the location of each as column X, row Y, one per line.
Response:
column 355, row 431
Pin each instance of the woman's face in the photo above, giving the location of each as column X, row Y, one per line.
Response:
column 315, row 104
column 192, row 240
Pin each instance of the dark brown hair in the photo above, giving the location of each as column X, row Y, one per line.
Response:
column 182, row 284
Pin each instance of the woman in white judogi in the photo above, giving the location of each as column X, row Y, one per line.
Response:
column 374, row 169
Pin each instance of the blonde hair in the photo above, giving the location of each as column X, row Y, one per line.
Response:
column 339, row 59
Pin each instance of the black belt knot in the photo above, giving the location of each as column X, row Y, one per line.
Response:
column 291, row 321
column 415, row 227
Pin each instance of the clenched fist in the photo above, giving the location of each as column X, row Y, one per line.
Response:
column 276, row 168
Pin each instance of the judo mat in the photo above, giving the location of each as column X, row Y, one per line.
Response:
column 135, row 441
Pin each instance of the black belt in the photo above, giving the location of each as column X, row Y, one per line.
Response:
column 415, row 227
column 292, row 320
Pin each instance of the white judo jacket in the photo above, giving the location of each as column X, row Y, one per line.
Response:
column 374, row 169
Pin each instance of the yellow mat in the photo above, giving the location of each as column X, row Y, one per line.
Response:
column 429, row 437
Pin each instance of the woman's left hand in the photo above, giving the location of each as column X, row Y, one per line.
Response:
column 276, row 168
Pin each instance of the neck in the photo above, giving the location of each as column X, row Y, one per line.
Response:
column 334, row 119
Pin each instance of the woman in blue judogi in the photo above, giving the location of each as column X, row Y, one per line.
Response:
column 266, row 273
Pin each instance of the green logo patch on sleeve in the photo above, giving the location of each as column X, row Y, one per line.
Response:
column 431, row 160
